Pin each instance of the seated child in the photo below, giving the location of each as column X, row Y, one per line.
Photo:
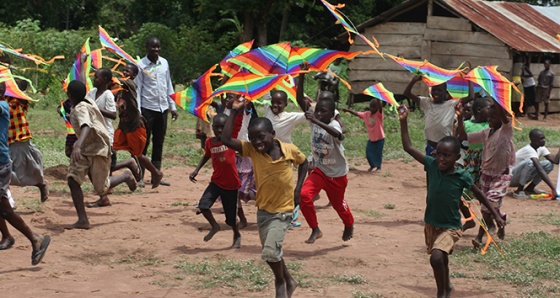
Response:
column 497, row 159
column 528, row 170
column 91, row 153
column 276, row 196
column 373, row 119
column 224, row 182
column 445, row 187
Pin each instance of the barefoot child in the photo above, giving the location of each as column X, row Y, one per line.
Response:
column 498, row 157
column 91, row 153
column 276, row 197
column 39, row 243
column 373, row 120
column 445, row 187
column 282, row 122
column 224, row 182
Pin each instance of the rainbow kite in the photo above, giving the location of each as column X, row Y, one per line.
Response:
column 349, row 27
column 249, row 85
column 379, row 91
column 288, row 85
column 495, row 84
column 37, row 59
column 458, row 87
column 230, row 69
column 12, row 89
column 432, row 75
column 108, row 43
column 81, row 68
column 271, row 59
column 96, row 59
column 69, row 128
column 196, row 98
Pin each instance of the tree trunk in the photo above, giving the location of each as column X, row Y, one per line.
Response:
column 284, row 24
column 262, row 31
column 248, row 27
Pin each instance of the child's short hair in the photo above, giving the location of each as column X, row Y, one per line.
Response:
column 106, row 74
column 534, row 133
column 220, row 116
column 77, row 90
column 280, row 92
column 479, row 103
column 329, row 101
column 453, row 141
column 265, row 122
column 134, row 68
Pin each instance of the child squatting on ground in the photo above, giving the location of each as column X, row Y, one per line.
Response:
column 276, row 195
column 224, row 182
column 445, row 187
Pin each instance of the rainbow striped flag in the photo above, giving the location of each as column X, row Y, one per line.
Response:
column 432, row 75
column 230, row 69
column 108, row 43
column 12, row 89
column 350, row 28
column 251, row 86
column 495, row 84
column 379, row 91
column 196, row 98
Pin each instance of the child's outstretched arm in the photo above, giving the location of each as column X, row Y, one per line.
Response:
column 544, row 176
column 302, row 172
column 329, row 129
column 227, row 139
column 408, row 90
column 405, row 137
column 502, row 113
column 484, row 200
column 351, row 112
column 300, row 97
column 470, row 96
column 461, row 132
column 202, row 162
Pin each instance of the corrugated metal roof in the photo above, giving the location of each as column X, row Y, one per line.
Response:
column 519, row 25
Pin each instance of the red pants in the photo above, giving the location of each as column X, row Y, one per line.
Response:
column 334, row 187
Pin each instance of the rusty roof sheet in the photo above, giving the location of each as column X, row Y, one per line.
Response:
column 521, row 26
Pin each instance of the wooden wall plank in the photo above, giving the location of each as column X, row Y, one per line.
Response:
column 401, row 51
column 396, row 28
column 458, row 49
column 447, row 61
column 455, row 24
column 373, row 64
column 394, row 39
column 462, row 37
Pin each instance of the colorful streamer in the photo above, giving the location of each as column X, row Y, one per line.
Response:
column 12, row 89
column 108, row 43
column 249, row 85
column 230, row 69
column 37, row 59
column 69, row 128
column 96, row 59
column 379, row 91
column 432, row 75
column 196, row 98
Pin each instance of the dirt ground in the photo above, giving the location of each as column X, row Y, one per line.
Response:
column 387, row 250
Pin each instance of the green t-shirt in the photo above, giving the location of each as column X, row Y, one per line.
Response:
column 444, row 195
column 471, row 127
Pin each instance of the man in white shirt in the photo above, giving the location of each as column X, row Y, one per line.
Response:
column 528, row 168
column 154, row 87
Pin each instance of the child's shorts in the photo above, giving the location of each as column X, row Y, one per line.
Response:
column 229, row 201
column 5, row 177
column 99, row 168
column 272, row 229
column 495, row 188
column 440, row 238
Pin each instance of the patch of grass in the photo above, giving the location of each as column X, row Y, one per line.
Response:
column 360, row 294
column 185, row 204
column 138, row 261
column 552, row 218
column 386, row 174
column 531, row 262
column 389, row 206
column 355, row 279
column 370, row 213
column 24, row 204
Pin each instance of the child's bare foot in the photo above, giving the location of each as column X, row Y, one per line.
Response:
column 44, row 189
column 236, row 242
column 215, row 229
column 315, row 234
column 102, row 202
column 242, row 224
column 83, row 225
column 348, row 233
column 130, row 181
column 156, row 179
column 291, row 286
column 469, row 225
column 502, row 233
column 477, row 243
column 370, row 169
column 449, row 291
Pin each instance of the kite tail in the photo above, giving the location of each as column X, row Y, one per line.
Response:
column 340, row 79
column 489, row 238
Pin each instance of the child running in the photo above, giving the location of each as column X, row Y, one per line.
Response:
column 498, row 157
column 373, row 120
column 283, row 122
column 445, row 187
column 39, row 243
column 276, row 197
column 224, row 182
column 91, row 153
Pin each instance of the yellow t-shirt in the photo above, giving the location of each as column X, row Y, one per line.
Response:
column 274, row 179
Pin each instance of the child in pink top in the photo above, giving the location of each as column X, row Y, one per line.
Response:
column 374, row 125
column 498, row 158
